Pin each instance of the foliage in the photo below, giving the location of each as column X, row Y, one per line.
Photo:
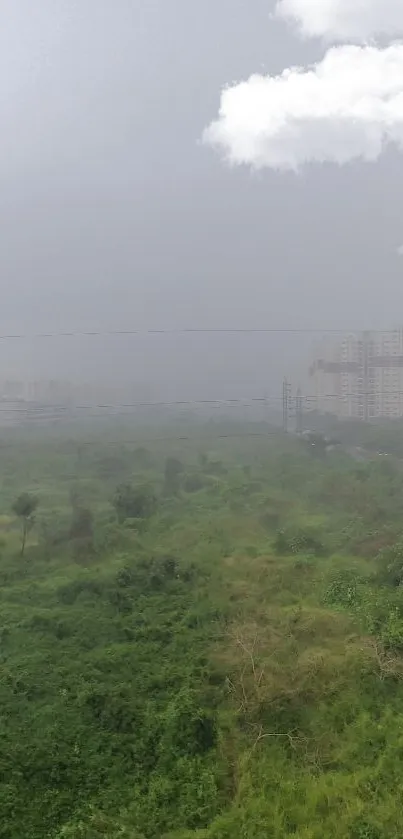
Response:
column 343, row 590
column 296, row 541
column 194, row 482
column 172, row 472
column 82, row 525
column 390, row 564
column 24, row 507
column 134, row 502
column 223, row 660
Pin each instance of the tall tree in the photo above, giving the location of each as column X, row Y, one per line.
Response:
column 24, row 507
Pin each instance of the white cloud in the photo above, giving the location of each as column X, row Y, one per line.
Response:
column 344, row 20
column 346, row 107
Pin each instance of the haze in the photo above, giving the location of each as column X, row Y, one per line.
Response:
column 114, row 215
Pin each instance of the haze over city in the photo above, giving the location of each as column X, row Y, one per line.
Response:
column 115, row 215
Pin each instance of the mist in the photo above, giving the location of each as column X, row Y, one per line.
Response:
column 115, row 216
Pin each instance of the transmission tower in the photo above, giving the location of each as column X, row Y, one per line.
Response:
column 286, row 404
column 299, row 412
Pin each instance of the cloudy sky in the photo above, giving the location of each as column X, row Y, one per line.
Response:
column 119, row 209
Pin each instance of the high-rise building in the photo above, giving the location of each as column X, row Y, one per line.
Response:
column 360, row 376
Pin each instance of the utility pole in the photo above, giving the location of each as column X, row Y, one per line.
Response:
column 286, row 404
column 299, row 412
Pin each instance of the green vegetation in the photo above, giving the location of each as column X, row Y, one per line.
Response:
column 24, row 507
column 199, row 639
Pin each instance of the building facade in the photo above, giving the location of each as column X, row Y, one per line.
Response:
column 360, row 376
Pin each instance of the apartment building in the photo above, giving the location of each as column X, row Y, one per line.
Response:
column 360, row 376
column 386, row 374
column 325, row 380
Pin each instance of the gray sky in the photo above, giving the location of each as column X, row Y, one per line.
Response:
column 114, row 216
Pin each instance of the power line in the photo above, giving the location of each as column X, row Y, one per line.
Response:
column 192, row 331
column 141, row 440
column 159, row 404
column 356, row 394
column 227, row 403
column 47, row 415
column 187, row 438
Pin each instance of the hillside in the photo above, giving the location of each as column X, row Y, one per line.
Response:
column 203, row 639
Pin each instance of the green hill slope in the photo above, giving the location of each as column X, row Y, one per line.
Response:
column 225, row 666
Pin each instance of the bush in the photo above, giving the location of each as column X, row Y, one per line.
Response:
column 69, row 593
column 390, row 565
column 172, row 473
column 188, row 730
column 98, row 826
column 362, row 829
column 391, row 632
column 82, row 525
column 343, row 590
column 298, row 541
column 134, row 502
column 193, row 483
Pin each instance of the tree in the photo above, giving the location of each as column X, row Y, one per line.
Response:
column 24, row 507
column 203, row 460
column 172, row 473
column 193, row 482
column 134, row 502
column 82, row 523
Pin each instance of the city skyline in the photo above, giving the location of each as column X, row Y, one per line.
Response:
column 360, row 375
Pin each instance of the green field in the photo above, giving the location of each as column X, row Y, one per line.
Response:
column 202, row 639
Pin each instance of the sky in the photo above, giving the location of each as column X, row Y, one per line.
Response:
column 118, row 209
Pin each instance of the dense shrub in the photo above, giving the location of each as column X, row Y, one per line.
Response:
column 193, row 482
column 343, row 590
column 134, row 502
column 194, row 682
column 298, row 541
column 390, row 565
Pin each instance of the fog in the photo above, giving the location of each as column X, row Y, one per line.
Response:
column 114, row 215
